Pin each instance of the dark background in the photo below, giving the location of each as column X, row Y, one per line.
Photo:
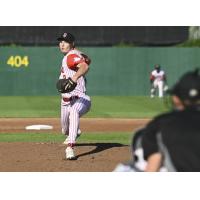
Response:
column 95, row 35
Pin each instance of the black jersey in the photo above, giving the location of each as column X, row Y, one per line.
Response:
column 177, row 136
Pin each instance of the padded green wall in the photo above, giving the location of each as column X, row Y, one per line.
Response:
column 114, row 71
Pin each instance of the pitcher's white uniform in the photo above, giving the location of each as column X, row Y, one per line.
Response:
column 76, row 103
column 158, row 79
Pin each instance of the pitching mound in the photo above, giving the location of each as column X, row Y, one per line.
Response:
column 37, row 157
column 50, row 157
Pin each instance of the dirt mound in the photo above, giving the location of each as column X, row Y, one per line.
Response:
column 50, row 157
column 46, row 157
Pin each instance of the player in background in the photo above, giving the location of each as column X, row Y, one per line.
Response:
column 158, row 81
column 76, row 103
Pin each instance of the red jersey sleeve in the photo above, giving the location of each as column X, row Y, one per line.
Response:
column 152, row 77
column 73, row 60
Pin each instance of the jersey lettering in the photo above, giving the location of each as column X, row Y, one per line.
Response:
column 159, row 76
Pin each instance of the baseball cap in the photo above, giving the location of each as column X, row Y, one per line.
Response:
column 157, row 66
column 68, row 37
column 188, row 86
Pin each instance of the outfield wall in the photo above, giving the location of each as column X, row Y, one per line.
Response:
column 114, row 71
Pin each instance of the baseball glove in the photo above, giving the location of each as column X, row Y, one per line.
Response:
column 65, row 85
column 166, row 88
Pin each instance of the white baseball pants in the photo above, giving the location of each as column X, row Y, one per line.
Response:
column 70, row 117
column 158, row 85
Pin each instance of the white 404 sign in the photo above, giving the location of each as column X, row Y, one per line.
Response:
column 18, row 61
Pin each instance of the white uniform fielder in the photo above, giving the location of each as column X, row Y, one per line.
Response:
column 158, row 82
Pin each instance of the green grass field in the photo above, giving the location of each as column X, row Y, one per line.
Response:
column 102, row 106
column 119, row 137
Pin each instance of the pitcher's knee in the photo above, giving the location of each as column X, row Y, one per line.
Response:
column 74, row 112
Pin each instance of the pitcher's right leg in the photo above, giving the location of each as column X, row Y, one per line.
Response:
column 65, row 119
column 79, row 108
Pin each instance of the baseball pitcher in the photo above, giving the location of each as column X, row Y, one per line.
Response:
column 158, row 81
column 72, row 86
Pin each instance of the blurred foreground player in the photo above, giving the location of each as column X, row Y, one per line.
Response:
column 170, row 142
column 173, row 139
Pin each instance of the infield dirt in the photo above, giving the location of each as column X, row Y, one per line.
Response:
column 50, row 157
